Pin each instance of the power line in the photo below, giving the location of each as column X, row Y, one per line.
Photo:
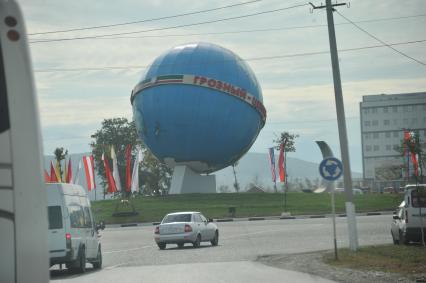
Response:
column 147, row 20
column 381, row 41
column 258, row 30
column 171, row 27
column 108, row 68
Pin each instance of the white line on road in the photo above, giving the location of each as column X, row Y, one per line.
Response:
column 127, row 250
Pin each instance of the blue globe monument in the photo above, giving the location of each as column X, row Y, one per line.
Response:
column 198, row 108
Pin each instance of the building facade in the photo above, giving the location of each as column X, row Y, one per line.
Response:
column 383, row 120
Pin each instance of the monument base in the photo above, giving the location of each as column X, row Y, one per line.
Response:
column 186, row 181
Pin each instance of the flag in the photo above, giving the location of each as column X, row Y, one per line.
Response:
column 110, row 179
column 128, row 164
column 281, row 162
column 135, row 176
column 68, row 178
column 77, row 174
column 53, row 177
column 115, row 172
column 415, row 164
column 272, row 163
column 58, row 172
column 65, row 172
column 46, row 177
column 90, row 174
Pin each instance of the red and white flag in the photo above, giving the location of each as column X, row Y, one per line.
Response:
column 281, row 162
column 272, row 163
column 89, row 167
column 110, row 179
column 135, row 175
column 53, row 177
column 115, row 172
column 128, row 164
column 68, row 177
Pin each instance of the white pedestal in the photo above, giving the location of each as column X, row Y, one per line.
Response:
column 186, row 181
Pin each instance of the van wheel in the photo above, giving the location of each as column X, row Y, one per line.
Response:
column 79, row 265
column 162, row 246
column 402, row 239
column 98, row 263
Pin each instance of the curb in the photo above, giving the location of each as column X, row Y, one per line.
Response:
column 261, row 218
column 256, row 218
column 129, row 225
column 224, row 220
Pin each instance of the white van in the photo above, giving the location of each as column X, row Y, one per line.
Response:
column 410, row 216
column 73, row 234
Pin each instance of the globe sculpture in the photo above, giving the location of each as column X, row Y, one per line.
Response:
column 198, row 107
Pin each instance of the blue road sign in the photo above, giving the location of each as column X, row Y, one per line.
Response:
column 331, row 169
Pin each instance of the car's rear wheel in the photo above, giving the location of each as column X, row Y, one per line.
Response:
column 395, row 241
column 79, row 265
column 180, row 245
column 215, row 240
column 98, row 263
column 197, row 241
column 402, row 238
column 162, row 246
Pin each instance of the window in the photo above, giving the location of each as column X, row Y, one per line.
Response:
column 367, row 136
column 424, row 106
column 414, row 107
column 405, row 122
column 376, row 148
column 414, row 121
column 375, row 135
column 177, row 218
column 203, row 219
column 87, row 217
column 396, row 147
column 386, row 122
column 418, row 199
column 388, row 147
column 405, row 108
column 373, row 110
column 368, row 148
column 76, row 216
column 394, row 109
column 388, row 134
column 375, row 123
column 55, row 217
column 395, row 122
column 367, row 123
column 385, row 109
column 395, row 134
column 366, row 111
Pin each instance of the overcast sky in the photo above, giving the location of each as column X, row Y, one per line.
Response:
column 297, row 90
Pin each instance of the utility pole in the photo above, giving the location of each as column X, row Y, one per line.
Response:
column 341, row 122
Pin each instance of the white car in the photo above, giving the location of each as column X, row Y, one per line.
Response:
column 186, row 227
column 407, row 221
column 73, row 236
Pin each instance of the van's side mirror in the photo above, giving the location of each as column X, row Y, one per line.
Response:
column 395, row 217
column 100, row 225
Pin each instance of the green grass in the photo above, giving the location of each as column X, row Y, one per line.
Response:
column 408, row 260
column 153, row 209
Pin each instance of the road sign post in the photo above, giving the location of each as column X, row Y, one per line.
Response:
column 331, row 169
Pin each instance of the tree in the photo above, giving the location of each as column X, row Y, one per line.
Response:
column 236, row 185
column 119, row 132
column 289, row 140
column 60, row 154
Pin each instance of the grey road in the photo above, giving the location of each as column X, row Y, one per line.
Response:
column 132, row 251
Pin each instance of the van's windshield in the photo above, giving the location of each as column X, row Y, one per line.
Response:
column 55, row 217
column 418, row 198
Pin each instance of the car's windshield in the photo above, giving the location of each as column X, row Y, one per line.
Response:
column 177, row 218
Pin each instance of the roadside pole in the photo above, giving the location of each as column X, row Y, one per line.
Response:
column 341, row 123
column 333, row 211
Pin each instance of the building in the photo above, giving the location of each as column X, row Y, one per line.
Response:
column 383, row 120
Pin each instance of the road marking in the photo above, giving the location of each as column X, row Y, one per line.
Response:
column 263, row 232
column 127, row 250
